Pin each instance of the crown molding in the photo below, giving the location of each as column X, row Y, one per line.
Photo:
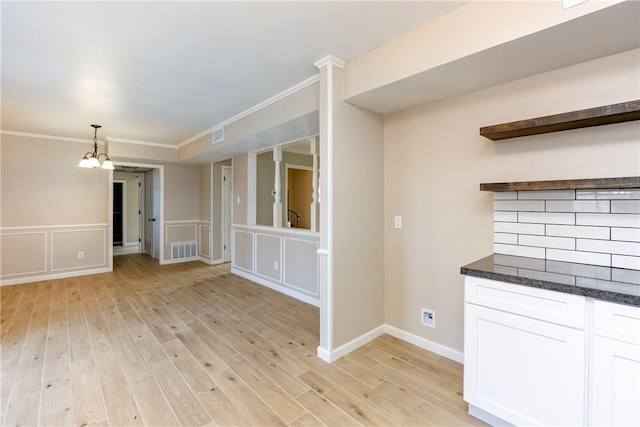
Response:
column 293, row 89
column 135, row 142
column 39, row 136
column 329, row 60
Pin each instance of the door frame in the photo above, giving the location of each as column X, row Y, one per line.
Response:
column 124, row 210
column 160, row 202
column 226, row 202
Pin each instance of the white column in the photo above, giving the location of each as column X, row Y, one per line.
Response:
column 315, row 205
column 277, row 197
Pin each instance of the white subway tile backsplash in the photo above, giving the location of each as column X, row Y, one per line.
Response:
column 608, row 246
column 505, row 195
column 611, row 220
column 623, row 261
column 516, row 227
column 578, row 231
column 626, row 234
column 608, row 194
column 511, row 239
column 588, row 228
column 547, row 242
column 547, row 217
column 602, row 206
column 625, row 206
column 516, row 250
column 624, row 275
column 547, row 195
column 505, row 216
column 518, row 205
column 579, row 257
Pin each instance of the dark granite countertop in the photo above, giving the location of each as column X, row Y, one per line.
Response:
column 604, row 283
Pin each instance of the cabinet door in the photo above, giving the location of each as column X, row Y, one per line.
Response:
column 523, row 370
column 615, row 391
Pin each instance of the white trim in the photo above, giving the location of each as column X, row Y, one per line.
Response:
column 147, row 143
column 212, row 261
column 332, row 356
column 322, row 252
column 425, row 344
column 329, row 60
column 316, row 293
column 160, row 214
column 282, row 289
column 53, row 276
column 124, row 210
column 182, row 221
column 56, row 138
column 36, row 227
column 278, row 231
column 293, row 89
column 200, row 245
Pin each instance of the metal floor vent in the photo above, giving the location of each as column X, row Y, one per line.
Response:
column 184, row 250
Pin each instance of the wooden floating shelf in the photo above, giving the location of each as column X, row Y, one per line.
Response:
column 608, row 114
column 569, row 184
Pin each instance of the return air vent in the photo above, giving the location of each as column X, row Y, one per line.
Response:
column 184, row 250
column 217, row 135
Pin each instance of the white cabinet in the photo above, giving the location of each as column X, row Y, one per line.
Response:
column 526, row 370
column 540, row 357
column 615, row 379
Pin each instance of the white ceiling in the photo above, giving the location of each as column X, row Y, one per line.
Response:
column 163, row 72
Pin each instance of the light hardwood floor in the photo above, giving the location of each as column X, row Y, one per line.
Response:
column 190, row 344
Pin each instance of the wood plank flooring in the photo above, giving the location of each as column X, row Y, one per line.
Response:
column 191, row 344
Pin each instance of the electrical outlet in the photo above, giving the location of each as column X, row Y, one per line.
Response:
column 428, row 317
column 397, row 221
column 80, row 254
column 275, row 265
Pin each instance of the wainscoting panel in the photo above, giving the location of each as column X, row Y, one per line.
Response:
column 301, row 265
column 243, row 250
column 66, row 245
column 176, row 233
column 280, row 258
column 268, row 256
column 23, row 253
column 205, row 240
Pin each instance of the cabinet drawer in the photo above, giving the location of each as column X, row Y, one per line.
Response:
column 549, row 306
column 617, row 321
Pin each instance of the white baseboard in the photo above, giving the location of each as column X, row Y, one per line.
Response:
column 282, row 289
column 439, row 349
column 211, row 261
column 425, row 344
column 54, row 276
column 178, row 261
column 331, row 356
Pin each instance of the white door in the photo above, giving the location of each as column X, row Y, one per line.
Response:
column 152, row 210
column 156, row 213
column 226, row 213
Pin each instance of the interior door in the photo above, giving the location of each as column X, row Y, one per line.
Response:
column 148, row 212
column 156, row 213
column 226, row 213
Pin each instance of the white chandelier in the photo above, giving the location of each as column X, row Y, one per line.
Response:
column 92, row 160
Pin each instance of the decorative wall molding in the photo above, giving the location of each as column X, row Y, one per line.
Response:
column 44, row 253
column 103, row 244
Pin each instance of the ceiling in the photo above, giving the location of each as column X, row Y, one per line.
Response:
column 163, row 72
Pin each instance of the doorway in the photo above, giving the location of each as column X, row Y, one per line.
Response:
column 142, row 218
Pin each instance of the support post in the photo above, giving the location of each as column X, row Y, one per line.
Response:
column 277, row 197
